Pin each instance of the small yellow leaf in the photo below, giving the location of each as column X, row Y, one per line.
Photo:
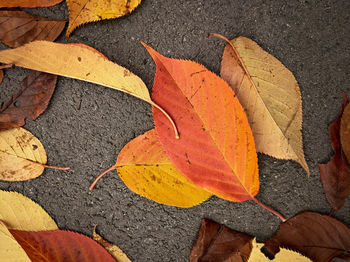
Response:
column 10, row 250
column 22, row 155
column 284, row 255
column 145, row 169
column 114, row 250
column 271, row 97
column 84, row 11
column 21, row 213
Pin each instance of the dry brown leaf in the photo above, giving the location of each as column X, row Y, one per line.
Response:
column 22, row 156
column 84, row 11
column 28, row 3
column 114, row 250
column 1, row 76
column 271, row 97
column 20, row 212
column 345, row 132
column 18, row 28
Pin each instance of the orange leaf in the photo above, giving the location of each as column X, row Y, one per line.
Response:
column 28, row 3
column 59, row 245
column 216, row 148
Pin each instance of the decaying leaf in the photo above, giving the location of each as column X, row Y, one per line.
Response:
column 10, row 250
column 319, row 237
column 271, row 97
column 145, row 169
column 114, row 250
column 216, row 148
column 18, row 28
column 20, row 212
column 59, row 245
column 218, row 243
column 335, row 175
column 28, row 3
column 1, row 76
column 30, row 101
column 78, row 61
column 345, row 132
column 84, row 11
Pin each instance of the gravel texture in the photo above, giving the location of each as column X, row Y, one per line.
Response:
column 312, row 38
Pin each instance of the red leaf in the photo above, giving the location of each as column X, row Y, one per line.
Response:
column 216, row 148
column 217, row 243
column 316, row 236
column 335, row 175
column 18, row 28
column 59, row 245
column 30, row 101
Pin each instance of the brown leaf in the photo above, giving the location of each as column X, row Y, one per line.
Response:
column 28, row 3
column 218, row 243
column 345, row 131
column 18, row 28
column 1, row 76
column 335, row 175
column 29, row 102
column 319, row 237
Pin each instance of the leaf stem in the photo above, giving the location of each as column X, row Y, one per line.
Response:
column 269, row 209
column 56, row 167
column 100, row 176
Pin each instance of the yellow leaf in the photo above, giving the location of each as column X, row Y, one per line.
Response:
column 114, row 250
column 271, row 97
column 145, row 169
column 84, row 11
column 22, row 156
column 10, row 250
column 21, row 213
column 284, row 255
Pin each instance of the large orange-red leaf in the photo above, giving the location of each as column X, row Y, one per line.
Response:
column 59, row 245
column 335, row 175
column 216, row 148
column 28, row 3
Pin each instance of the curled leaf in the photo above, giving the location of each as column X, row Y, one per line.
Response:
column 20, row 212
column 85, row 11
column 18, row 28
column 270, row 95
column 29, row 102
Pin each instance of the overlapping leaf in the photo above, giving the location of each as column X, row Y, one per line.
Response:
column 145, row 169
column 22, row 156
column 216, row 148
column 271, row 97
column 28, row 3
column 29, row 102
column 335, row 175
column 59, row 245
column 18, row 28
column 319, row 237
column 20, row 212
column 84, row 11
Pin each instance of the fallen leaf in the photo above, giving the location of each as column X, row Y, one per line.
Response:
column 84, row 11
column 319, row 237
column 18, row 28
column 345, row 132
column 216, row 147
column 146, row 170
column 335, row 175
column 270, row 95
column 81, row 62
column 20, row 212
column 114, row 250
column 218, row 243
column 59, row 245
column 29, row 102
column 10, row 250
column 28, row 3
column 1, row 76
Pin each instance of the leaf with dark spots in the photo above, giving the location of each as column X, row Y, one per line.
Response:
column 59, row 245
column 18, row 28
column 216, row 242
column 335, row 175
column 319, row 237
column 29, row 102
